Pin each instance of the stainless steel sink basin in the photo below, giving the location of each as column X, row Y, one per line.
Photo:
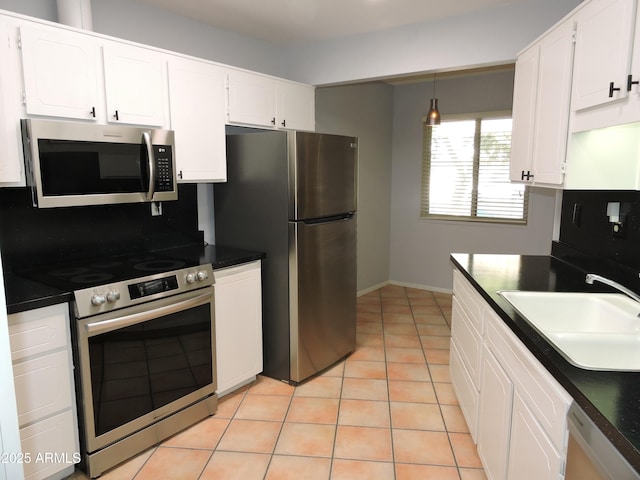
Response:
column 596, row 331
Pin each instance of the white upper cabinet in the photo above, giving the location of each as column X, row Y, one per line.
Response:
column 11, row 165
column 251, row 99
column 197, row 93
column 263, row 101
column 296, row 106
column 135, row 85
column 604, row 45
column 542, row 93
column 63, row 78
column 60, row 73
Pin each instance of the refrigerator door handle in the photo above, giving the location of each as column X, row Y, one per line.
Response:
column 334, row 218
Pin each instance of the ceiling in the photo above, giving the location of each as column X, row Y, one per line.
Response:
column 291, row 21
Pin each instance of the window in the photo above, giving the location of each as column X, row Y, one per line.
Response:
column 465, row 171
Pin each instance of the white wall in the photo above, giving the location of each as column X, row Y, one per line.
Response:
column 420, row 249
column 365, row 111
column 486, row 38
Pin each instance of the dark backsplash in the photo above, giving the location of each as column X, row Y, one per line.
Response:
column 31, row 236
column 587, row 238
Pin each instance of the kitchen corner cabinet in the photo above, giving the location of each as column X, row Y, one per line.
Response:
column 45, row 395
column 197, row 93
column 604, row 44
column 519, row 408
column 262, row 101
column 615, row 53
column 238, row 314
column 541, row 105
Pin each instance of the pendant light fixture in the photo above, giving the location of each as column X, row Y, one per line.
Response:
column 433, row 117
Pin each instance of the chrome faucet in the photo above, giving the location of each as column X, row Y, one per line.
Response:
column 592, row 277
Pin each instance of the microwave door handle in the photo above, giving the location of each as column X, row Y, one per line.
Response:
column 146, row 138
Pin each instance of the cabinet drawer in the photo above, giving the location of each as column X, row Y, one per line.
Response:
column 465, row 390
column 43, row 386
column 38, row 331
column 237, row 272
column 51, row 446
column 469, row 299
column 544, row 396
column 468, row 340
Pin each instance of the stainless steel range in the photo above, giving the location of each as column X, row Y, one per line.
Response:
column 145, row 352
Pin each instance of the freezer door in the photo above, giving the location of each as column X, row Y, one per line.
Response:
column 322, row 294
column 322, row 175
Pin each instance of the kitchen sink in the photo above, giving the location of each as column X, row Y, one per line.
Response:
column 595, row 331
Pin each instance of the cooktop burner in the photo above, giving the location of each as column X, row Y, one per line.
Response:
column 99, row 271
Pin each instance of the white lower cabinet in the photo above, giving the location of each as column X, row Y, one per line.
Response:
column 45, row 394
column 494, row 417
column 238, row 325
column 532, row 456
column 519, row 411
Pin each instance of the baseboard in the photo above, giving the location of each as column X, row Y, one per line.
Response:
column 404, row 284
column 421, row 287
column 371, row 289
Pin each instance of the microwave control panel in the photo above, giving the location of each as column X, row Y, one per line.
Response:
column 164, row 168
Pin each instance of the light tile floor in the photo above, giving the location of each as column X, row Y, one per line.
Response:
column 387, row 412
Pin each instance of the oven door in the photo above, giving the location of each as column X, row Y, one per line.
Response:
column 143, row 363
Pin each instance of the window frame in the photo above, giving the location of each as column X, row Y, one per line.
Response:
column 426, row 174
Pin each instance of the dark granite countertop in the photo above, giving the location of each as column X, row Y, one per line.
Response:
column 610, row 399
column 26, row 294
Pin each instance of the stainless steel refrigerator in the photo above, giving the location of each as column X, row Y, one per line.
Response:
column 293, row 196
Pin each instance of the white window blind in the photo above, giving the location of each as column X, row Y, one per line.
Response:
column 465, row 172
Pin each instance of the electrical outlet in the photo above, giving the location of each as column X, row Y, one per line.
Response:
column 156, row 209
column 618, row 230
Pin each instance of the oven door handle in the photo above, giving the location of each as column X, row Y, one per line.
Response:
column 146, row 138
column 133, row 319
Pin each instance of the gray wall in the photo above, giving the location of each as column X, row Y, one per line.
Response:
column 420, row 248
column 488, row 37
column 365, row 111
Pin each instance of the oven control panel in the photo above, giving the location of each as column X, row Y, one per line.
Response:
column 106, row 298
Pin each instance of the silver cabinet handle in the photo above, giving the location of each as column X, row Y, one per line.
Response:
column 146, row 138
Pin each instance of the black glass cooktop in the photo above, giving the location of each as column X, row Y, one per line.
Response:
column 102, row 271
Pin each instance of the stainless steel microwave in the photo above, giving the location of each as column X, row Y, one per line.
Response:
column 71, row 164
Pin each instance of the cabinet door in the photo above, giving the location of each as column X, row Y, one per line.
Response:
column 251, row 99
column 525, row 90
column 466, row 392
column 532, row 456
column 296, row 106
column 11, row 164
column 238, row 325
column 494, row 417
column 135, row 83
column 60, row 73
column 197, row 108
column 552, row 105
column 603, row 52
